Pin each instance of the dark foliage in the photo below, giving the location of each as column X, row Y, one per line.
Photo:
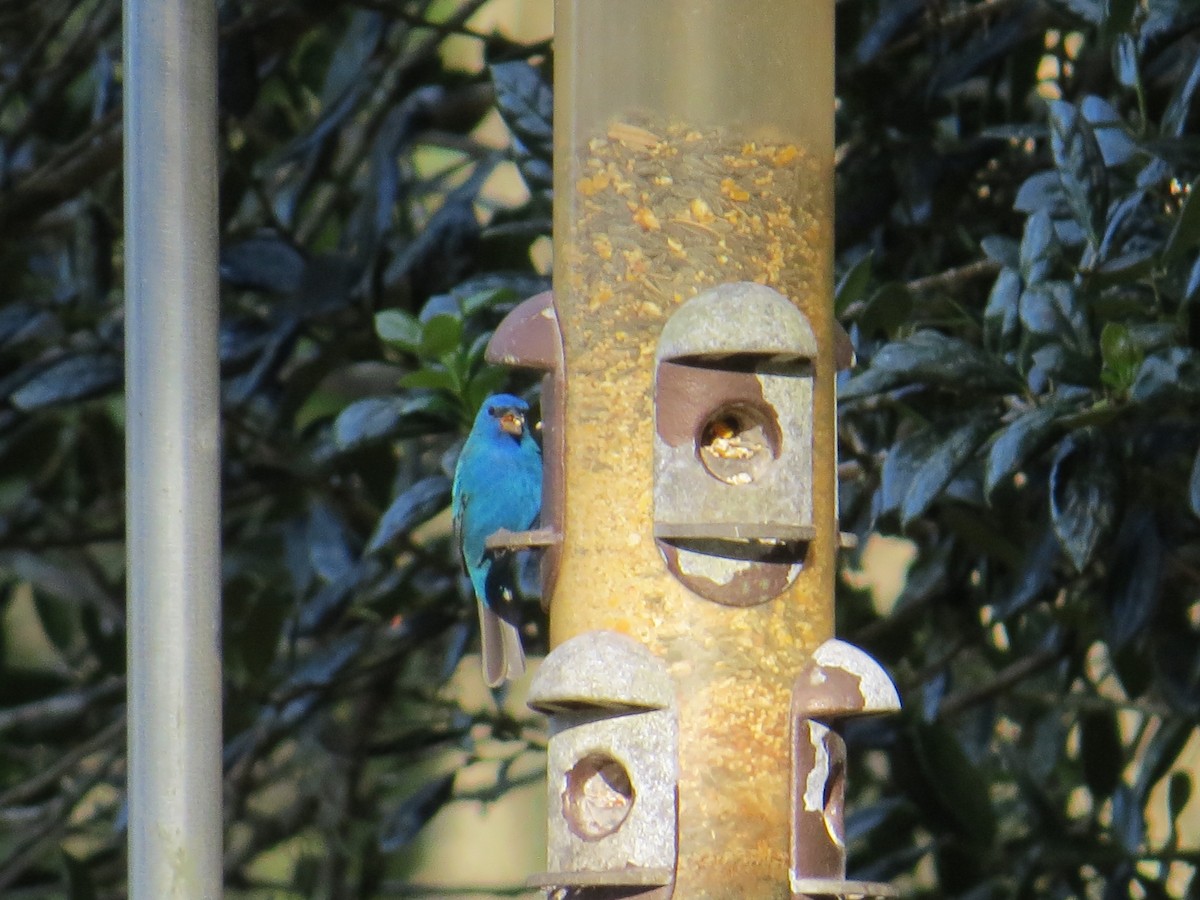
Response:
column 1018, row 237
column 1025, row 412
column 353, row 207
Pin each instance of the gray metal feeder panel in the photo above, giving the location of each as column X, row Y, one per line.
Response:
column 612, row 763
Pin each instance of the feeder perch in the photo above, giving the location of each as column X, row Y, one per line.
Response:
column 529, row 338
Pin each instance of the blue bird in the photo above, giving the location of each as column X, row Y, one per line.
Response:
column 497, row 484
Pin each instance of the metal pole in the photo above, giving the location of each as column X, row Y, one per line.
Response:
column 172, row 449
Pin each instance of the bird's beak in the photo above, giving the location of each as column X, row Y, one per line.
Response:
column 512, row 423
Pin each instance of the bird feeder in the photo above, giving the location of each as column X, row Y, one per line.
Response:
column 694, row 684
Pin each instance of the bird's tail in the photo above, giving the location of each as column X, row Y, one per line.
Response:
column 500, row 639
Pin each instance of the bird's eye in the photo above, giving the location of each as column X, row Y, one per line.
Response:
column 493, row 411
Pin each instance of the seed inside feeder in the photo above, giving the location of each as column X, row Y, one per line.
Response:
column 735, row 445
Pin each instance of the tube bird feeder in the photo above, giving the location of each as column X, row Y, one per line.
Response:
column 689, row 415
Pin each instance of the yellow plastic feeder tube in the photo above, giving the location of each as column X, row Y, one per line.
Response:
column 693, row 147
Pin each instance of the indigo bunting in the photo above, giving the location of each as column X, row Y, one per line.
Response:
column 497, row 484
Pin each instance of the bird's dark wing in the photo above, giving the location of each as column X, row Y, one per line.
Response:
column 459, row 512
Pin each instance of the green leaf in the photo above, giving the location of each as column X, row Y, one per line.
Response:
column 267, row 263
column 1169, row 376
column 80, row 885
column 1121, row 356
column 481, row 300
column 887, row 309
column 1194, row 486
column 476, row 353
column 1150, row 337
column 405, row 821
column 1117, row 17
column 351, row 55
column 19, row 322
column 1179, row 792
column 366, row 421
column 961, row 867
column 429, row 380
column 1123, row 269
column 377, row 418
column 1163, row 751
column 482, row 384
column 1116, row 146
column 329, row 550
column 1091, row 10
column 1100, row 752
column 1038, row 247
column 1122, row 217
column 960, row 787
column 260, row 628
column 1082, row 496
column 940, row 466
column 901, row 465
column 106, row 643
column 415, row 505
column 1052, row 311
column 1191, row 293
column 1048, row 362
column 58, row 617
column 1135, row 582
column 853, row 285
column 1003, row 250
column 1080, row 167
column 1174, row 119
column 1035, row 577
column 526, row 104
column 933, row 358
column 1186, row 233
column 440, row 334
column 69, row 379
column 398, row 328
column 1002, row 313
column 1128, row 820
column 1040, row 192
column 1130, row 667
column 1154, row 890
column 1016, row 442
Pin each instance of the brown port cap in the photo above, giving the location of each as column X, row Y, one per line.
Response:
column 529, row 337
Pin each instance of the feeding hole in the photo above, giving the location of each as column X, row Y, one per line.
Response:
column 738, row 443
column 598, row 796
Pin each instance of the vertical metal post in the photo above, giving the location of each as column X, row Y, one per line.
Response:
column 172, row 449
